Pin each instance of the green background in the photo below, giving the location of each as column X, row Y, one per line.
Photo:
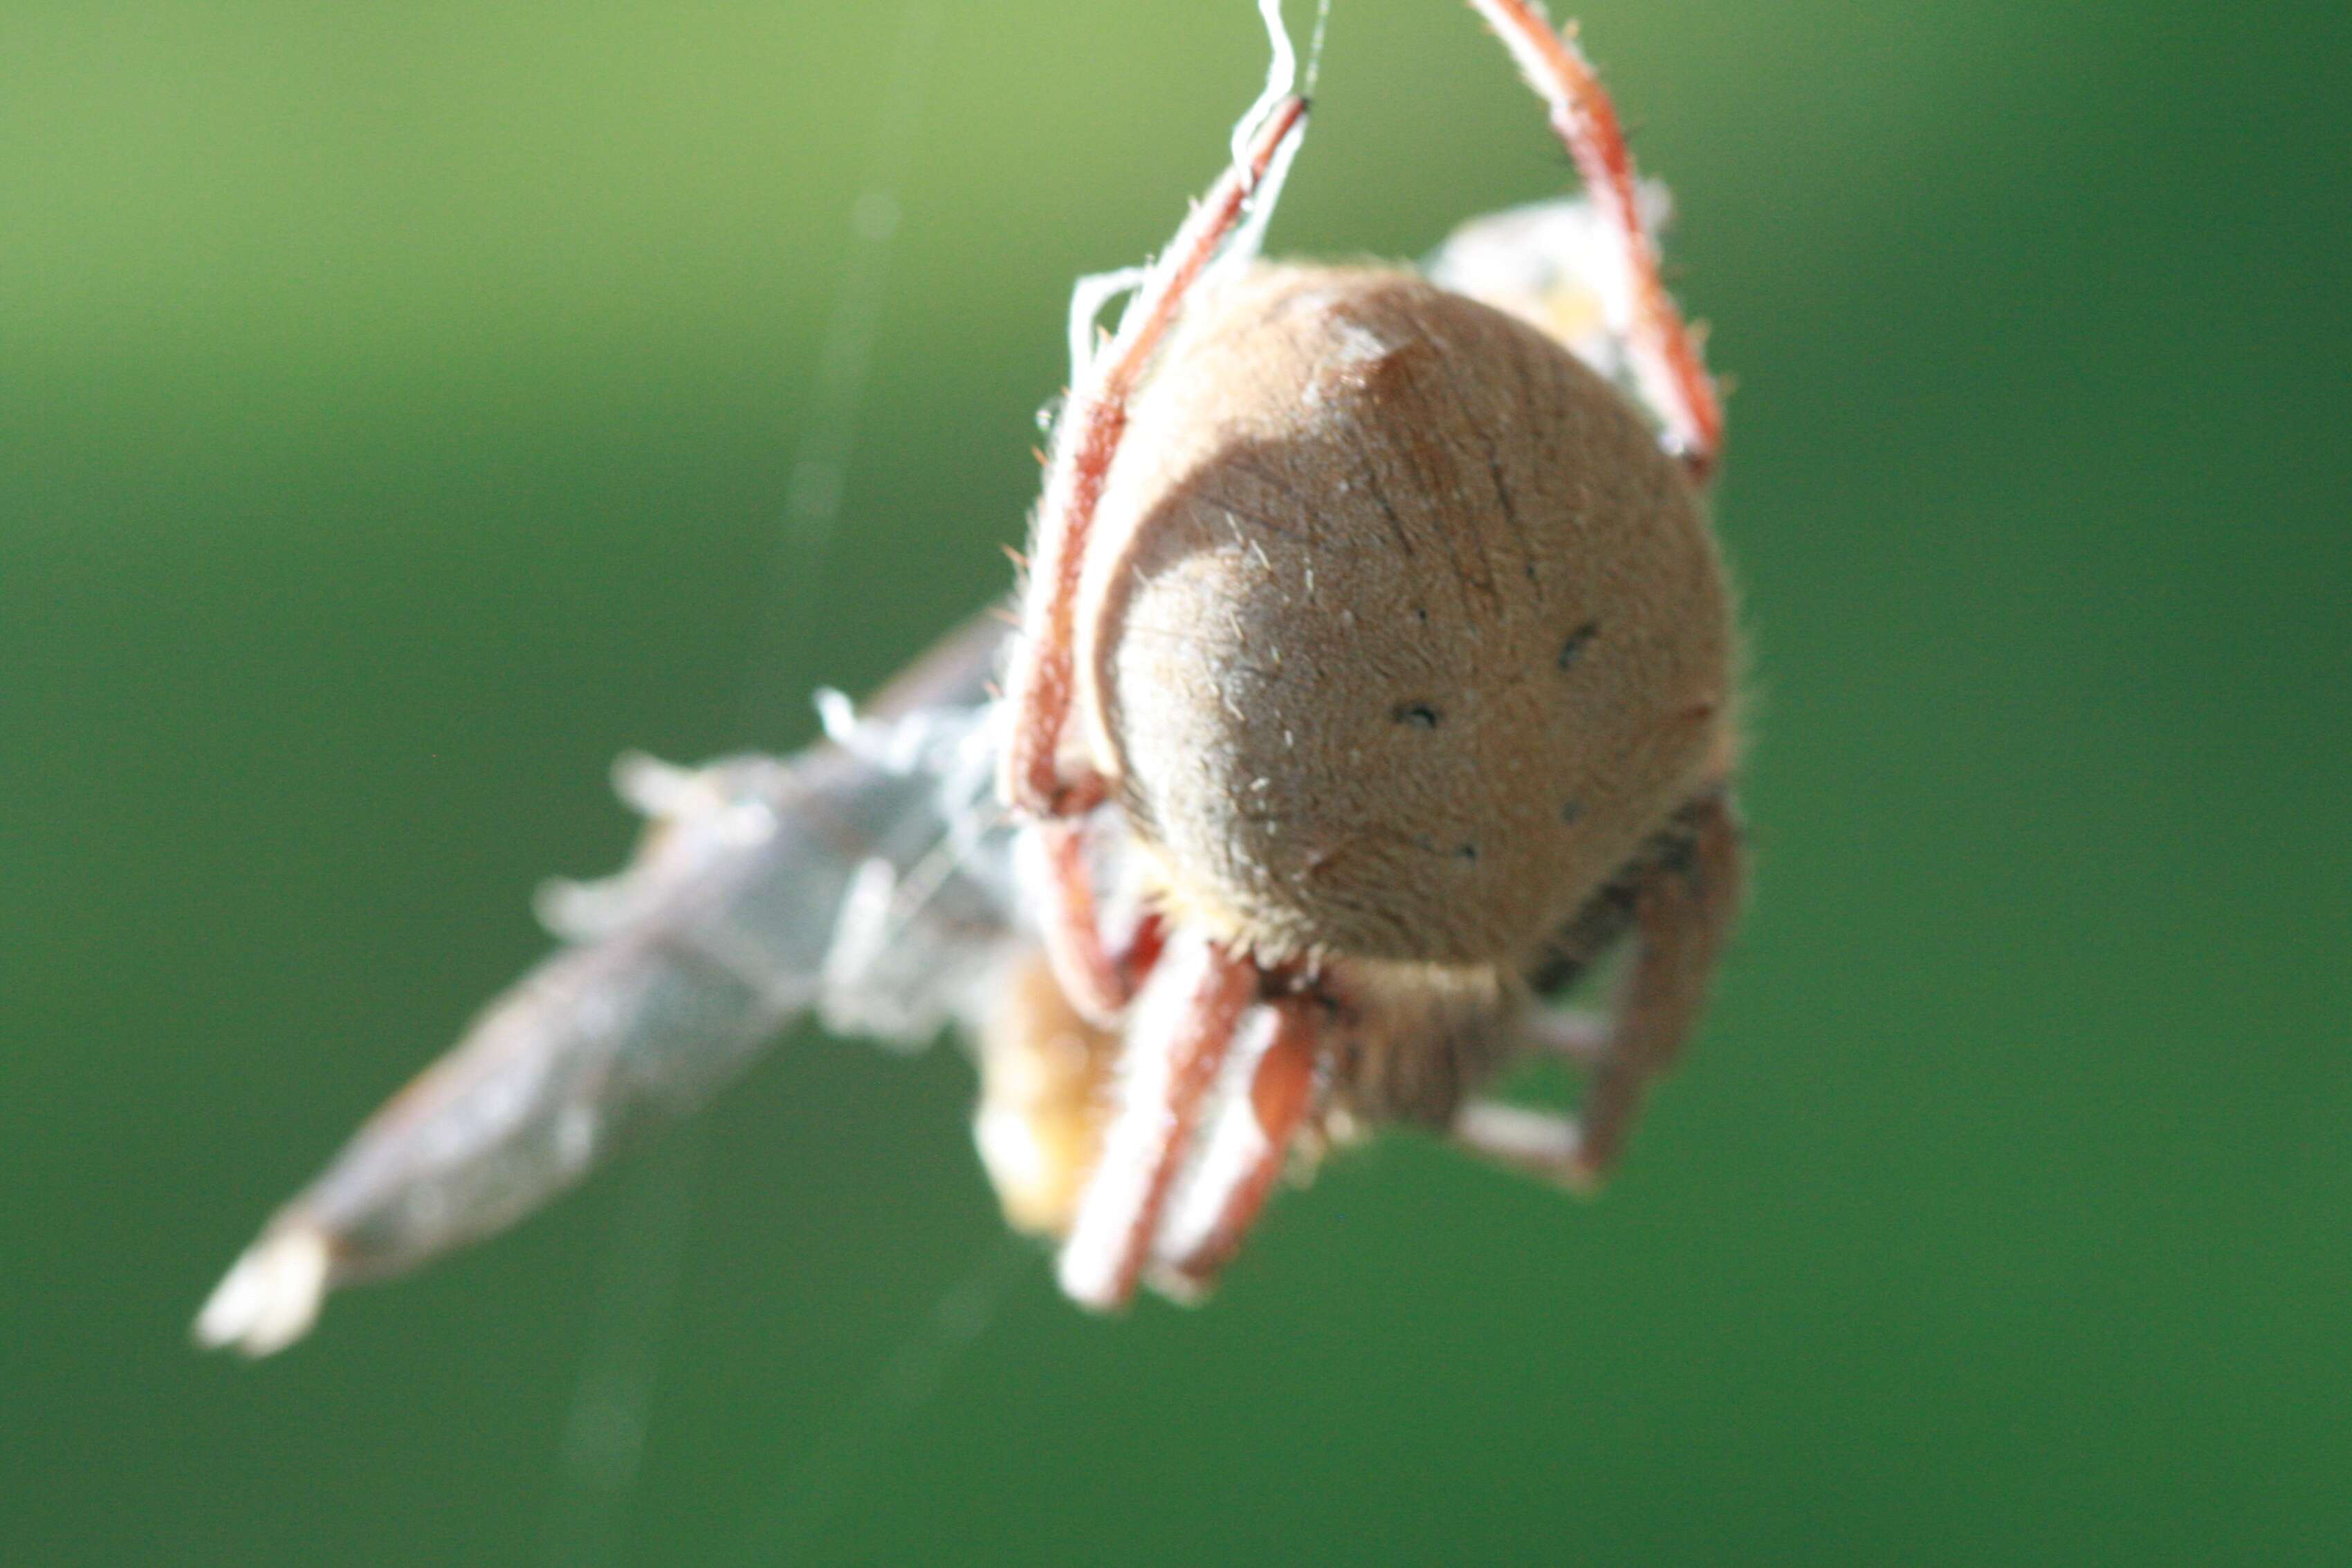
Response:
column 396, row 411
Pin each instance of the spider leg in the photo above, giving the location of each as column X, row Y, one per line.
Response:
column 1040, row 681
column 1665, row 357
column 1179, row 1034
column 1097, row 983
column 1681, row 919
column 1682, row 913
column 1543, row 1143
column 1574, row 1036
column 1247, row 1151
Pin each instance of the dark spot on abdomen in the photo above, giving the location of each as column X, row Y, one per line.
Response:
column 1573, row 649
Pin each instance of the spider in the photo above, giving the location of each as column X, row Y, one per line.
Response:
column 1372, row 679
column 1394, row 645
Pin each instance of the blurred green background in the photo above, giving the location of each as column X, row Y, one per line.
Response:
column 397, row 406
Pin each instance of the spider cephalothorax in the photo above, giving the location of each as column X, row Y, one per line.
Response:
column 1391, row 638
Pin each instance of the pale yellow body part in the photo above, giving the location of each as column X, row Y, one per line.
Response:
column 1046, row 1077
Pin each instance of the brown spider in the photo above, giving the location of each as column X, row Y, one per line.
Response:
column 1392, row 646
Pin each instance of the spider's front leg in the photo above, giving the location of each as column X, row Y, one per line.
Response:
column 1038, row 778
column 1180, row 1025
column 1042, row 779
column 1682, row 911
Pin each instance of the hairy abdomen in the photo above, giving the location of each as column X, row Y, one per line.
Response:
column 1400, row 633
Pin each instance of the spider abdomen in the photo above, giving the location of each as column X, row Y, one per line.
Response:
column 1401, row 631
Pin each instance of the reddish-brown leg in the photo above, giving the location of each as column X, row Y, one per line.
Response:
column 1666, row 356
column 1249, row 1148
column 1180, row 1033
column 1091, row 976
column 1099, row 970
column 1681, row 917
column 1039, row 683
